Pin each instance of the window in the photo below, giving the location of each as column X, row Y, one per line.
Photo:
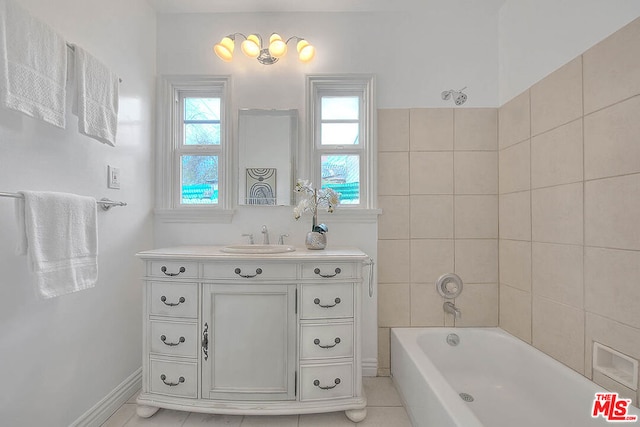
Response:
column 343, row 158
column 193, row 162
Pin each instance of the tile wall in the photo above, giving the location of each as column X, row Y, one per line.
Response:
column 438, row 190
column 569, row 207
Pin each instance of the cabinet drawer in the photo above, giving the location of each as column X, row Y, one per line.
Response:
column 250, row 271
column 174, row 269
column 326, row 301
column 173, row 299
column 174, row 378
column 318, row 382
column 326, row 341
column 328, row 271
column 175, row 339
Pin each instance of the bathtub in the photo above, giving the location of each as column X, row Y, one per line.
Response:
column 511, row 383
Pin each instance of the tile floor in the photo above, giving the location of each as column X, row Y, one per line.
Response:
column 384, row 410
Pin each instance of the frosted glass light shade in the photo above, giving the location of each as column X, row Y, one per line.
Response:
column 224, row 49
column 251, row 46
column 306, row 52
column 277, row 47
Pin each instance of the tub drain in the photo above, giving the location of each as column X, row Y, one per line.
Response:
column 466, row 397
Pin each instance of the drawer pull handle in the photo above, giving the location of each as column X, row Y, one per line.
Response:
column 205, row 341
column 329, row 387
column 317, row 302
column 163, row 377
column 164, row 270
column 337, row 271
column 248, row 276
column 171, row 304
column 163, row 338
column 336, row 341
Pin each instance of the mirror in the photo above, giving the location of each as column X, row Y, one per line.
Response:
column 267, row 142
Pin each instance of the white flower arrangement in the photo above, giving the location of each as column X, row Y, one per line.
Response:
column 312, row 199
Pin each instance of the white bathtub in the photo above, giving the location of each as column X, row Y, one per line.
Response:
column 512, row 383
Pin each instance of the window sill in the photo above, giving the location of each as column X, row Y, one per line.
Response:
column 355, row 215
column 195, row 215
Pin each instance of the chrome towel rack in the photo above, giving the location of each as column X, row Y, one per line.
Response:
column 104, row 203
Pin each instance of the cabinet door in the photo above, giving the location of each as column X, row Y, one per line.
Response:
column 252, row 335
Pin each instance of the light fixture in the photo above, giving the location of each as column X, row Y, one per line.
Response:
column 459, row 98
column 252, row 47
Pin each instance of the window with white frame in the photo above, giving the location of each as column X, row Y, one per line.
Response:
column 343, row 157
column 193, row 163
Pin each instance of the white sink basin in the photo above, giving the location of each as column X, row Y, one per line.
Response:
column 258, row 249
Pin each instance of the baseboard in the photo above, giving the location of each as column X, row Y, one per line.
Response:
column 102, row 410
column 370, row 367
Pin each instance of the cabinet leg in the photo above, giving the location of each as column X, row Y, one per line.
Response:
column 356, row 415
column 145, row 411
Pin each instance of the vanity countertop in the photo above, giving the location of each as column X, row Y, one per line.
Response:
column 216, row 253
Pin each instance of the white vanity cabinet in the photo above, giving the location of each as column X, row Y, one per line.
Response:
column 252, row 334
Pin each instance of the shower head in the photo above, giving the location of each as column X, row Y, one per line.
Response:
column 459, row 98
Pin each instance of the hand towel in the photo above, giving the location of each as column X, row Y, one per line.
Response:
column 96, row 98
column 33, row 65
column 58, row 233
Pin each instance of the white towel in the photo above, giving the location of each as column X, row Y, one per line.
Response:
column 96, row 98
column 33, row 65
column 58, row 233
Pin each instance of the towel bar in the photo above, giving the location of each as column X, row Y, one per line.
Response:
column 104, row 203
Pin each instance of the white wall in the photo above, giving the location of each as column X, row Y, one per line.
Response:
column 61, row 356
column 539, row 36
column 414, row 56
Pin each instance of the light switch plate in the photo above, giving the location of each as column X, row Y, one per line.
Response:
column 113, row 180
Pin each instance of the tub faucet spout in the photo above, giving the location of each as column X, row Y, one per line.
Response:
column 450, row 308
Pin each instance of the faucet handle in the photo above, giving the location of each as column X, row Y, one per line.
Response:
column 250, row 236
column 281, row 239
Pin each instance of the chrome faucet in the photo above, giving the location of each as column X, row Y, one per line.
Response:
column 250, row 236
column 281, row 239
column 265, row 233
column 450, row 308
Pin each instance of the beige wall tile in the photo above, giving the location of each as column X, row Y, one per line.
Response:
column 557, row 99
column 558, row 330
column 515, row 167
column 476, row 217
column 611, row 70
column 475, row 129
column 557, row 273
column 393, row 305
column 611, row 140
column 431, row 217
column 612, row 212
column 394, row 221
column 477, row 260
column 393, row 261
column 515, row 264
column 384, row 348
column 515, row 216
column 556, row 156
column 393, row 174
column 556, row 214
column 612, row 284
column 478, row 304
column 431, row 172
column 393, row 129
column 431, row 129
column 475, row 172
column 515, row 312
column 426, row 305
column 514, row 121
column 619, row 337
column 430, row 259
